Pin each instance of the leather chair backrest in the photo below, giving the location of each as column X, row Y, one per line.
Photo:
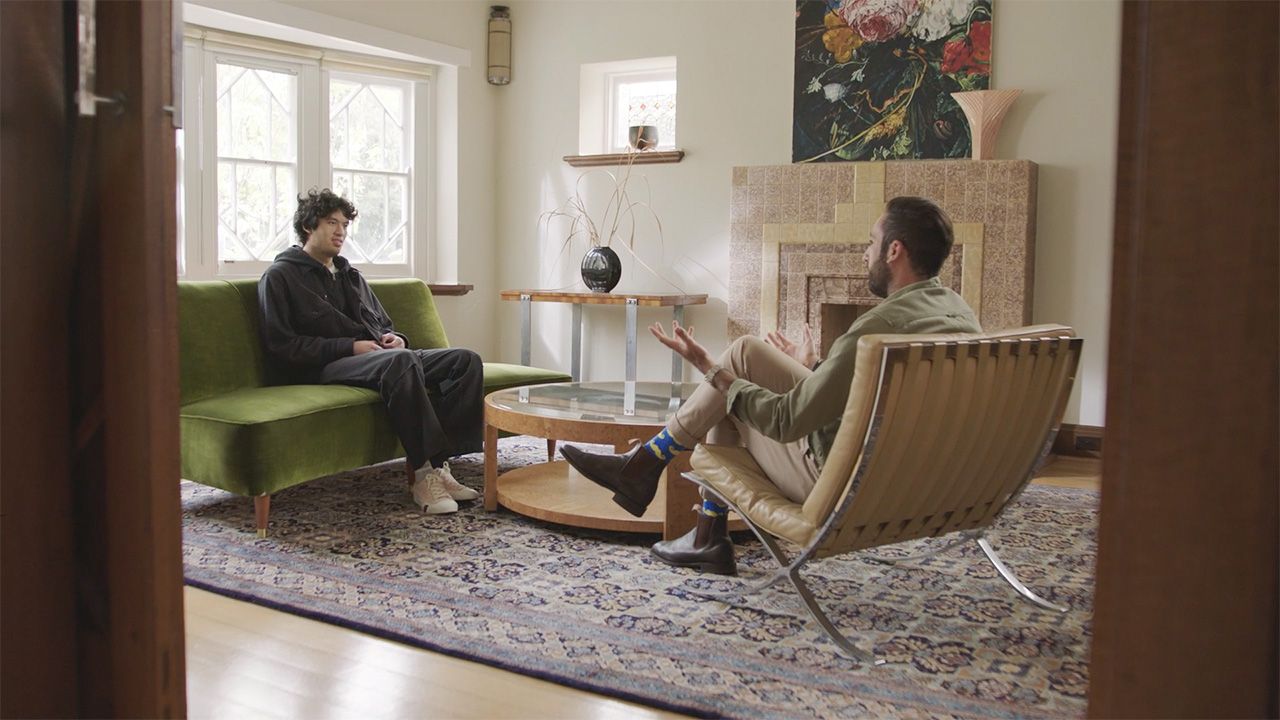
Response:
column 940, row 432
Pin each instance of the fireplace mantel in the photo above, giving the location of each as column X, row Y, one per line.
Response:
column 798, row 233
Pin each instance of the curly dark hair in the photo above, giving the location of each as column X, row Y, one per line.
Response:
column 316, row 205
column 923, row 228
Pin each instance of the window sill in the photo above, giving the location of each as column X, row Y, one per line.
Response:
column 449, row 288
column 648, row 157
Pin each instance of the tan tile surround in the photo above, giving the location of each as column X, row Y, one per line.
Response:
column 799, row 231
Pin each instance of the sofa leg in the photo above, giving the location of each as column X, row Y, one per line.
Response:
column 551, row 450
column 408, row 472
column 261, row 509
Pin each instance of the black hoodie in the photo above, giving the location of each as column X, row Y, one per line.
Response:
column 311, row 317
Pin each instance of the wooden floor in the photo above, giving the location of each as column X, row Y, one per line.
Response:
column 245, row 661
column 1074, row 472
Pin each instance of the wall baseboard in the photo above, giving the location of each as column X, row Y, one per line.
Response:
column 1078, row 440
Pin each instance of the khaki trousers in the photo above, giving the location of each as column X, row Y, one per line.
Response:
column 706, row 415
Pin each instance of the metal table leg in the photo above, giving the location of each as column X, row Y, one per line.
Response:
column 677, row 362
column 576, row 358
column 526, row 321
column 632, row 306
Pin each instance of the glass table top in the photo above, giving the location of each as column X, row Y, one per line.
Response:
column 612, row 402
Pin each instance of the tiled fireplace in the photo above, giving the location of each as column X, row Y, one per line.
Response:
column 799, row 232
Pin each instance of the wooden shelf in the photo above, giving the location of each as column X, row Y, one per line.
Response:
column 640, row 158
column 450, row 288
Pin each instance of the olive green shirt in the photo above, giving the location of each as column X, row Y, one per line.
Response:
column 814, row 406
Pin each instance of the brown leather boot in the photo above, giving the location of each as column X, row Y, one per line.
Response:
column 706, row 547
column 633, row 476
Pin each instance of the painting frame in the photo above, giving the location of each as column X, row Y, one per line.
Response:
column 874, row 78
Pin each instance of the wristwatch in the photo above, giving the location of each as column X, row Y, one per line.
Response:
column 710, row 377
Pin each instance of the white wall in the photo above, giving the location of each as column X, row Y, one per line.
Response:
column 735, row 78
column 1065, row 56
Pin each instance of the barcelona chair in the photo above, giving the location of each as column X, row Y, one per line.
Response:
column 939, row 435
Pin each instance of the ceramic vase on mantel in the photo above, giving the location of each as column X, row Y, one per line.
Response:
column 985, row 111
column 601, row 269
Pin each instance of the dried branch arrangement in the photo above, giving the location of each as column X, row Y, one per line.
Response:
column 616, row 222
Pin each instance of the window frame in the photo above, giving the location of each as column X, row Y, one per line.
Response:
column 404, row 269
column 306, row 72
column 597, row 100
column 198, row 248
column 615, row 124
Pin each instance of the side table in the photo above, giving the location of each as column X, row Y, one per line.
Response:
column 631, row 301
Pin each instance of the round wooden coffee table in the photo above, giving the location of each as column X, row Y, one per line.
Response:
column 613, row 413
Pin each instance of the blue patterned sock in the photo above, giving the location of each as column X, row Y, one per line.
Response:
column 711, row 508
column 663, row 446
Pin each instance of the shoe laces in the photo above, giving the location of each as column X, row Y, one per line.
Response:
column 447, row 479
column 429, row 488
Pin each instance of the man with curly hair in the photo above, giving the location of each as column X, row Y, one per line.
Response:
column 321, row 323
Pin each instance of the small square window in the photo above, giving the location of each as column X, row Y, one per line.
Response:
column 642, row 99
column 617, row 95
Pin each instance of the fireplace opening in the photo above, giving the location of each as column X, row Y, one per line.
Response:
column 835, row 319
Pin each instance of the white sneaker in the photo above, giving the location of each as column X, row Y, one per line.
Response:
column 430, row 495
column 456, row 490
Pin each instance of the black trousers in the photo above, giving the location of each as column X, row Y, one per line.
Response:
column 430, row 428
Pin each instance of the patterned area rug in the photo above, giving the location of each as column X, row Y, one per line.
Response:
column 593, row 610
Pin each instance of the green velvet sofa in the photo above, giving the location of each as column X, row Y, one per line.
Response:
column 244, row 432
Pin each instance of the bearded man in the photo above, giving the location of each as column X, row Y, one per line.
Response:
column 774, row 397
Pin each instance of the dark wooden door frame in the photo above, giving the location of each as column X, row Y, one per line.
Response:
column 136, row 206
column 37, row 573
column 92, row 571
column 1185, row 611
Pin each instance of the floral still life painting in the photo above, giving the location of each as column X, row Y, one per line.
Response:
column 874, row 77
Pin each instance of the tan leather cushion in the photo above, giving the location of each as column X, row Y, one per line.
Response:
column 733, row 473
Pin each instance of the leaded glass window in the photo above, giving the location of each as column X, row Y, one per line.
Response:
column 268, row 120
column 369, row 148
column 257, row 150
column 647, row 102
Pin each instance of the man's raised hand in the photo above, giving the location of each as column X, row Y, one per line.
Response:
column 805, row 352
column 681, row 341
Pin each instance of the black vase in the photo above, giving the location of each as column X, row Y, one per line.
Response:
column 601, row 269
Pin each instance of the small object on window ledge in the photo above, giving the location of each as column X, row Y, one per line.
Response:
column 648, row 157
column 642, row 137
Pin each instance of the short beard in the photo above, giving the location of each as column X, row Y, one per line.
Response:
column 878, row 278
